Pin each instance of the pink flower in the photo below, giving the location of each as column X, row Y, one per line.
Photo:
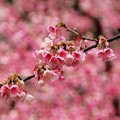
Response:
column 80, row 56
column 69, row 60
column 53, row 62
column 61, row 61
column 51, row 29
column 50, row 76
column 47, row 56
column 52, row 32
column 62, row 53
column 14, row 89
column 11, row 91
column 106, row 54
column 77, row 41
column 38, row 54
column 5, row 91
column 76, row 55
column 47, row 44
column 59, row 39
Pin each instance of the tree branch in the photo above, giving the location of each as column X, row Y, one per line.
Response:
column 28, row 78
column 90, row 47
column 78, row 34
column 85, row 50
column 113, row 38
column 95, row 45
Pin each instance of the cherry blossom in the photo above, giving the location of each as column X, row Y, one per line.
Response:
column 106, row 54
column 13, row 88
column 79, row 86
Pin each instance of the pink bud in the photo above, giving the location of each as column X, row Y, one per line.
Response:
column 51, row 29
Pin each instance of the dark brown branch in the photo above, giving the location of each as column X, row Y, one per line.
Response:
column 90, row 47
column 113, row 38
column 90, row 39
column 119, row 30
column 78, row 34
column 0, row 85
column 116, row 104
column 72, row 31
column 28, row 78
column 95, row 45
column 12, row 105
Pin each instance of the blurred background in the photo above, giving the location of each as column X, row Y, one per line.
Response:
column 91, row 90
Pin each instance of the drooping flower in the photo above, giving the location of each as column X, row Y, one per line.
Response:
column 106, row 54
column 14, row 89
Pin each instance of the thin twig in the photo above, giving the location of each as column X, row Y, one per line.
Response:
column 95, row 45
column 113, row 38
column 90, row 39
column 28, row 78
column 90, row 47
column 78, row 34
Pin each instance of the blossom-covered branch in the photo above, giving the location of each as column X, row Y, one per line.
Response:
column 89, row 39
column 84, row 38
column 95, row 45
column 56, row 51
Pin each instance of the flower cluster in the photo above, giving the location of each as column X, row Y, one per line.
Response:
column 105, row 52
column 56, row 52
column 14, row 89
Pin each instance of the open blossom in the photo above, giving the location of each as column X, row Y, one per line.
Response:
column 75, row 58
column 62, row 53
column 47, row 75
column 5, row 91
column 106, row 54
column 55, row 53
column 69, row 60
column 47, row 44
column 13, row 92
column 50, row 75
column 55, row 32
column 47, row 56
column 14, row 89
column 80, row 56
column 53, row 62
column 38, row 54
